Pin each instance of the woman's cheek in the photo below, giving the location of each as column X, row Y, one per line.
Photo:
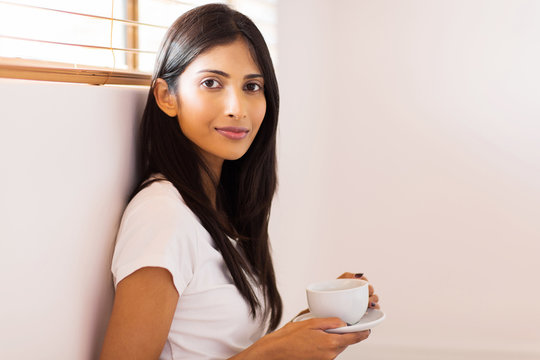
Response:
column 260, row 112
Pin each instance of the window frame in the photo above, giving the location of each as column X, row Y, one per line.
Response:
column 41, row 70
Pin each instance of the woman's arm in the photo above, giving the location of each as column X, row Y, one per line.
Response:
column 142, row 314
column 144, row 307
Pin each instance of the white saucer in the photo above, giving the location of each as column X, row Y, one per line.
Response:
column 371, row 318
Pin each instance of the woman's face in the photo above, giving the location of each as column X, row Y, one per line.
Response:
column 221, row 103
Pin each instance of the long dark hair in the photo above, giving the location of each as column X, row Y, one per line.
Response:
column 247, row 185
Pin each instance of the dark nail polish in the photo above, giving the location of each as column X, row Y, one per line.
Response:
column 373, row 304
column 359, row 275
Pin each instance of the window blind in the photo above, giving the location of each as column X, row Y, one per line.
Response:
column 99, row 41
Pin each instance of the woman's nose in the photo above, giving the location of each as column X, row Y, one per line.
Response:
column 235, row 107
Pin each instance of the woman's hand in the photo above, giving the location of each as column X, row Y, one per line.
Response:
column 303, row 340
column 373, row 298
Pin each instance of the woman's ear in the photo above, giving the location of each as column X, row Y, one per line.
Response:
column 164, row 98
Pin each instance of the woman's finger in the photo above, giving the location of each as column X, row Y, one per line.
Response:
column 374, row 302
column 325, row 323
column 349, row 275
column 373, row 298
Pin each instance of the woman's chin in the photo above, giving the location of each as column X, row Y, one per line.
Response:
column 233, row 157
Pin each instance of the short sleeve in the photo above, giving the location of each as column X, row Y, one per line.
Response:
column 157, row 230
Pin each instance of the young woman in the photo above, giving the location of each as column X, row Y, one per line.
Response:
column 192, row 266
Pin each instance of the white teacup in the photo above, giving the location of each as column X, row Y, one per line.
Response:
column 346, row 299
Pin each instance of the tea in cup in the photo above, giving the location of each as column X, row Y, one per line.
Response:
column 346, row 299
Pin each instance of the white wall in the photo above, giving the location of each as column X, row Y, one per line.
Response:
column 409, row 151
column 66, row 154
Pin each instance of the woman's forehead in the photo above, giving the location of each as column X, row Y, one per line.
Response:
column 234, row 58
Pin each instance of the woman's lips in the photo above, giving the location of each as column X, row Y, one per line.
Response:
column 233, row 132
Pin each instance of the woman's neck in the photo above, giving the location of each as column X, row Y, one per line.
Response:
column 209, row 187
column 211, row 180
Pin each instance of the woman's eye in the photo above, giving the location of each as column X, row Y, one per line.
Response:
column 253, row 87
column 210, row 83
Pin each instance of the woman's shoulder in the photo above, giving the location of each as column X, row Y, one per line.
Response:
column 159, row 199
column 157, row 229
column 157, row 186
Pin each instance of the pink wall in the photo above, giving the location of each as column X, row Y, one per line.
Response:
column 67, row 162
column 409, row 142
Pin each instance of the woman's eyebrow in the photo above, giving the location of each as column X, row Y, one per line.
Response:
column 224, row 74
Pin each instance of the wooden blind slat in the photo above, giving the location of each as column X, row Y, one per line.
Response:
column 36, row 70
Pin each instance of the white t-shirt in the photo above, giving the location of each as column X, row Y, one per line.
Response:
column 212, row 320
